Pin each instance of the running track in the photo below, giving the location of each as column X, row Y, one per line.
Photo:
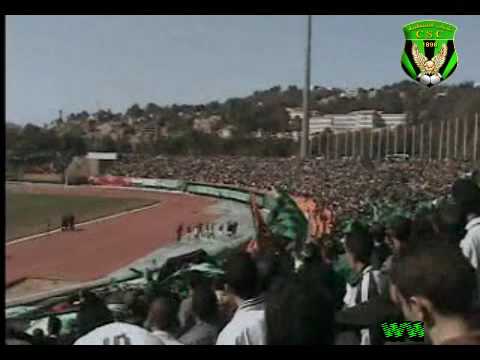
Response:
column 98, row 249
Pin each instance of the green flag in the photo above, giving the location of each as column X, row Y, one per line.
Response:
column 287, row 221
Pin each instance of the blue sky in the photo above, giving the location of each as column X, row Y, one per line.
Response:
column 88, row 62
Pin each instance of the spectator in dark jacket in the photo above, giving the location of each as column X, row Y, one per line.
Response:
column 301, row 312
column 137, row 307
column 186, row 317
column 381, row 250
column 93, row 313
column 207, row 319
column 54, row 327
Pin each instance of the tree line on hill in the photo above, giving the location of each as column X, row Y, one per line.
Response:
column 263, row 110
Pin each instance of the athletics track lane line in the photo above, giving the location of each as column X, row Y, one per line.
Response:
column 35, row 236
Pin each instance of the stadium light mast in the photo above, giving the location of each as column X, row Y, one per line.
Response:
column 304, row 143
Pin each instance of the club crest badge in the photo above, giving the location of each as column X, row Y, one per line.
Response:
column 429, row 56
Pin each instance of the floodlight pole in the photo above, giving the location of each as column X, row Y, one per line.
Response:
column 304, row 143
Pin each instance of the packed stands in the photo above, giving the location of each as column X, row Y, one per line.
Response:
column 390, row 242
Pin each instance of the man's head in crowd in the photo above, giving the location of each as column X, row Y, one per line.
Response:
column 162, row 314
column 423, row 230
column 467, row 195
column 54, row 326
column 398, row 233
column 195, row 280
column 93, row 313
column 38, row 337
column 377, row 232
column 137, row 307
column 241, row 276
column 268, row 268
column 205, row 304
column 448, row 223
column 435, row 285
column 381, row 250
column 300, row 313
column 225, row 300
column 358, row 247
column 476, row 176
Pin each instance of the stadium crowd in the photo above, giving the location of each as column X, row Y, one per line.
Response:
column 423, row 268
column 333, row 182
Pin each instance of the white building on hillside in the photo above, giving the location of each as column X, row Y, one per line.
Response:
column 319, row 124
column 364, row 118
column 226, row 132
column 349, row 93
column 393, row 120
column 294, row 112
column 343, row 122
column 355, row 120
column 206, row 125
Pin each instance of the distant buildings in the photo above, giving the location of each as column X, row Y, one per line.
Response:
column 99, row 162
column 327, row 100
column 149, row 130
column 226, row 132
column 393, row 120
column 257, row 134
column 105, row 129
column 349, row 93
column 372, row 93
column 320, row 123
column 206, row 125
column 355, row 120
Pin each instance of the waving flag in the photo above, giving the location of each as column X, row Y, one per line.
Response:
column 263, row 238
column 287, row 221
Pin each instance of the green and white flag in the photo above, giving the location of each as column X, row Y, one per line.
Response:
column 287, row 221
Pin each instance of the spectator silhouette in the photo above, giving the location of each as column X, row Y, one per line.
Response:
column 93, row 313
column 436, row 285
column 207, row 320
column 301, row 312
column 161, row 319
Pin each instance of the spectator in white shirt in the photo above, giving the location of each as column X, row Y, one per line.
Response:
column 247, row 326
column 119, row 333
column 161, row 320
column 467, row 195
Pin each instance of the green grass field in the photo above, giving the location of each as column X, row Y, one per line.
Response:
column 28, row 214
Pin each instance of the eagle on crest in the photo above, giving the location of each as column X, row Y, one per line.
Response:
column 429, row 68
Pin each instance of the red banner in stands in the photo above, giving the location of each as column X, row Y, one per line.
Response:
column 110, row 181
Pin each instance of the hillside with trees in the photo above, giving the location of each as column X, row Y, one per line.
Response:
column 258, row 124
